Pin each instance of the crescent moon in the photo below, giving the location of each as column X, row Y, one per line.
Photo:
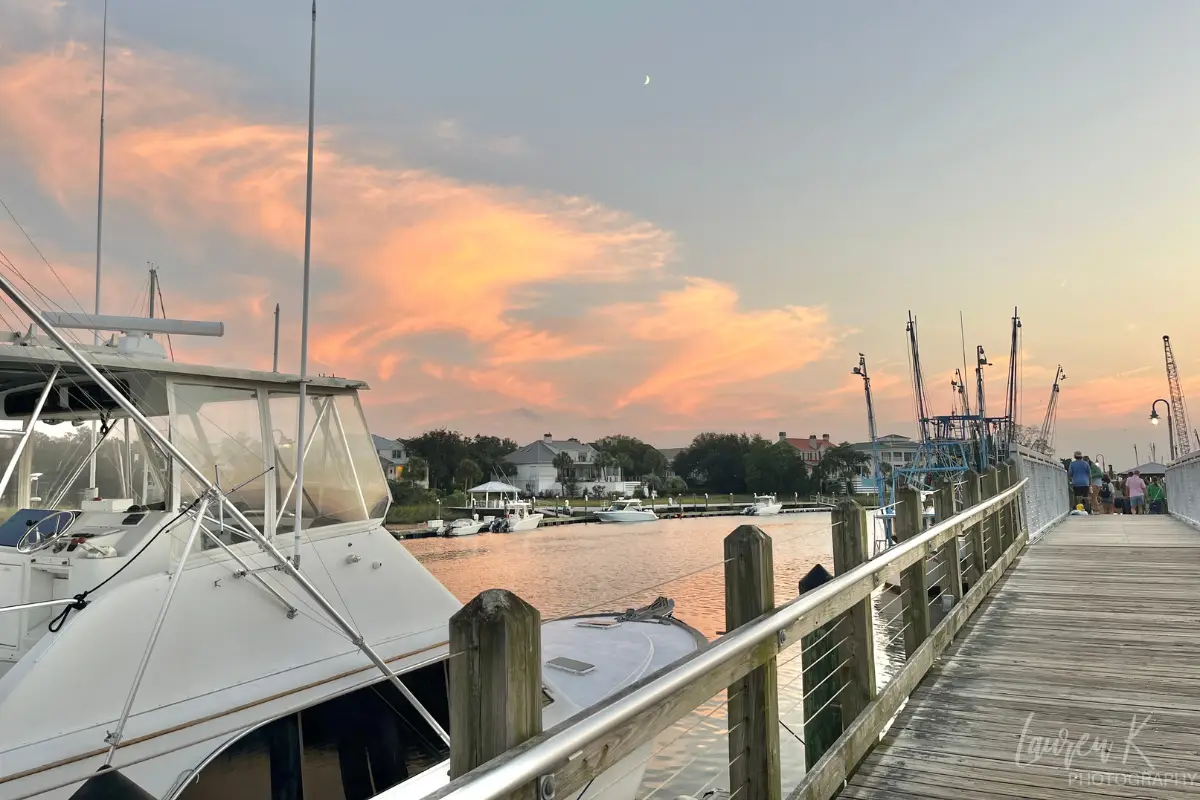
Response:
column 647, row 83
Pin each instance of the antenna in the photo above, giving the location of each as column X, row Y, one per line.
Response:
column 312, row 86
column 962, row 333
column 99, row 224
column 275, row 355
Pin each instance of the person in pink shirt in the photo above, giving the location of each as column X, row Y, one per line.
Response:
column 1136, row 487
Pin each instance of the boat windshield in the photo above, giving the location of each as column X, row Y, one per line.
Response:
column 238, row 433
column 58, row 474
column 223, row 431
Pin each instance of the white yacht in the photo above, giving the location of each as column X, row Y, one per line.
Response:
column 626, row 511
column 170, row 621
column 765, row 505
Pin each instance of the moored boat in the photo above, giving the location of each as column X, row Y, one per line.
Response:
column 626, row 511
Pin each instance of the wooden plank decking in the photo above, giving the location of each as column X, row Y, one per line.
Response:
column 1080, row 677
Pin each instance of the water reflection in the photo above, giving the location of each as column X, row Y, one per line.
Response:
column 572, row 569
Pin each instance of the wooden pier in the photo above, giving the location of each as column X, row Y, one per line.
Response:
column 1064, row 662
column 1095, row 632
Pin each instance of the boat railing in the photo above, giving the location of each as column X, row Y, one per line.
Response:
column 500, row 752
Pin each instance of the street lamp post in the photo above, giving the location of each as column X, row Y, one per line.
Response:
column 1170, row 428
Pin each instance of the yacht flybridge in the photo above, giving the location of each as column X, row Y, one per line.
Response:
column 156, row 621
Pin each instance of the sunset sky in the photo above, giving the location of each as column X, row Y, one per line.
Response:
column 514, row 235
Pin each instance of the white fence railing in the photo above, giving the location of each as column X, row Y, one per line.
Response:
column 1047, row 498
column 1183, row 489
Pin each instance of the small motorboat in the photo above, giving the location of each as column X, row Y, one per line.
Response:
column 765, row 505
column 518, row 516
column 626, row 511
column 462, row 527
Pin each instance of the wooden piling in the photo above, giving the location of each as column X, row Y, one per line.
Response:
column 753, row 700
column 1017, row 506
column 821, row 655
column 495, row 680
column 945, row 507
column 972, row 492
column 913, row 580
column 989, row 487
column 851, row 547
column 1004, row 521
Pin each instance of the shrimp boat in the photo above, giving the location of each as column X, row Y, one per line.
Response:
column 172, row 619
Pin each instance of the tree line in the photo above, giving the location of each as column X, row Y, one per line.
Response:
column 737, row 463
column 714, row 462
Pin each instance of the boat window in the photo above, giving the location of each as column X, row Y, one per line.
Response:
column 350, row 747
column 220, row 431
column 127, row 466
column 343, row 481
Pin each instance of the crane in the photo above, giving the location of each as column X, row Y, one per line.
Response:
column 876, row 466
column 1045, row 439
column 1181, row 445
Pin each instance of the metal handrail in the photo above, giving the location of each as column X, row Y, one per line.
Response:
column 544, row 757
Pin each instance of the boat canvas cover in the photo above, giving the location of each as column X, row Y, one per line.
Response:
column 494, row 486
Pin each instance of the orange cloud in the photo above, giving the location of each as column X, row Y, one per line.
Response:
column 709, row 342
column 404, row 257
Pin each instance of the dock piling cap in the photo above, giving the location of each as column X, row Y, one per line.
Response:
column 108, row 784
column 815, row 577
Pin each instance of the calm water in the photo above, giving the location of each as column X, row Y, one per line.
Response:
column 576, row 568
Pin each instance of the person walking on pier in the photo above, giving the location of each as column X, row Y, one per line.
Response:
column 1081, row 480
column 1155, row 496
column 1137, row 493
column 1118, row 490
column 1106, row 496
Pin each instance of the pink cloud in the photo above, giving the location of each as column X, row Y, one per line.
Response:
column 404, row 253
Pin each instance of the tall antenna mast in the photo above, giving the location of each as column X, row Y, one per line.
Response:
column 99, row 218
column 962, row 334
column 1011, row 410
column 312, row 84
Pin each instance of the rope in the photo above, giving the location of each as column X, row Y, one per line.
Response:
column 81, row 601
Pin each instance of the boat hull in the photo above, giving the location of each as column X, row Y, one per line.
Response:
column 626, row 516
column 464, row 530
column 526, row 523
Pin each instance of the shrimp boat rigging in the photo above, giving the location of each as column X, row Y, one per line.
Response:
column 221, row 662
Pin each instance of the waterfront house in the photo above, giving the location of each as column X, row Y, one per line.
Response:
column 894, row 450
column 669, row 454
column 393, row 457
column 812, row 449
column 536, row 472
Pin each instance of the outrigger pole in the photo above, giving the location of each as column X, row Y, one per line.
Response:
column 252, row 532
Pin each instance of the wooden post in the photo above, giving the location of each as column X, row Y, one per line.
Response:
column 753, row 700
column 909, row 513
column 495, row 680
column 1018, row 515
column 1008, row 527
column 944, row 507
column 851, row 547
column 989, row 487
column 972, row 492
column 821, row 678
